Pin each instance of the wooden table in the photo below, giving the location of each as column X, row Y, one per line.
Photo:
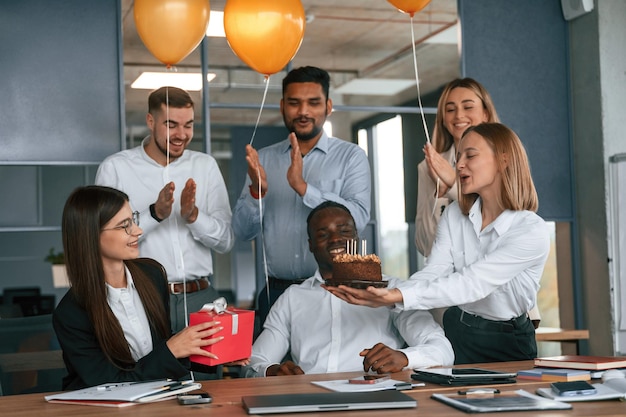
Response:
column 227, row 400
column 569, row 338
column 31, row 361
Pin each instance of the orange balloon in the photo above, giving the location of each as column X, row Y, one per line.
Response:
column 171, row 29
column 264, row 34
column 410, row 6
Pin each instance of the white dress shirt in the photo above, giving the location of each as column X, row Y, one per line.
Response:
column 128, row 308
column 325, row 334
column 493, row 273
column 183, row 248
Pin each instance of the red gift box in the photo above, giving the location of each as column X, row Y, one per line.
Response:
column 238, row 326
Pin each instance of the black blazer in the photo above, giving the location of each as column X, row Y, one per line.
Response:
column 85, row 361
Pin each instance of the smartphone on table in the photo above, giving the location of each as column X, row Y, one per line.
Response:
column 369, row 379
column 572, row 388
column 194, row 397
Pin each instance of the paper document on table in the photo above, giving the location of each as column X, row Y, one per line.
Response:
column 128, row 391
column 342, row 385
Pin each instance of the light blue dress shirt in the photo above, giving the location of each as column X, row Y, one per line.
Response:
column 333, row 170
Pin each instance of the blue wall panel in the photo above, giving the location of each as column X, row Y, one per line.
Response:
column 518, row 50
column 61, row 80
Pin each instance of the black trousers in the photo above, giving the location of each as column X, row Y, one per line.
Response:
column 477, row 340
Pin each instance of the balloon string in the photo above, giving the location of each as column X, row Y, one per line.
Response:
column 419, row 101
column 417, row 82
column 260, row 200
column 258, row 119
column 172, row 218
column 167, row 134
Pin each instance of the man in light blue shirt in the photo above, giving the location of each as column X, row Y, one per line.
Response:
column 292, row 177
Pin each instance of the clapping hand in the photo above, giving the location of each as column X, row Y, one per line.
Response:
column 294, row 173
column 165, row 200
column 188, row 208
column 439, row 168
column 256, row 172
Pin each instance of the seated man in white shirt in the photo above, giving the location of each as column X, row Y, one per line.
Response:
column 325, row 334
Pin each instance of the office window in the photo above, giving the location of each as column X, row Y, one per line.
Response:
column 388, row 183
column 548, row 297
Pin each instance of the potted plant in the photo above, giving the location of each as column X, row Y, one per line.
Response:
column 59, row 273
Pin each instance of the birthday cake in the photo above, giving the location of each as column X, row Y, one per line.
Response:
column 358, row 271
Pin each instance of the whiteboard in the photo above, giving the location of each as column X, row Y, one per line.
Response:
column 617, row 207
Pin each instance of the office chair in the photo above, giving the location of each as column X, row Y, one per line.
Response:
column 35, row 305
column 30, row 356
column 9, row 294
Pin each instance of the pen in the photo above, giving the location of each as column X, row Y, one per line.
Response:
column 108, row 387
column 172, row 386
column 480, row 392
column 403, row 386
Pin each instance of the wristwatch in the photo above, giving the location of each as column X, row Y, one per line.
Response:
column 153, row 213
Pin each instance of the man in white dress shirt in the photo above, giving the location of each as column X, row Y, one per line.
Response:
column 182, row 199
column 325, row 334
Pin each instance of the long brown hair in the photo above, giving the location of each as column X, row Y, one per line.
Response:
column 442, row 139
column 86, row 211
column 518, row 190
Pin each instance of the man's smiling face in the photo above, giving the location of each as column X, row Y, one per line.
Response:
column 330, row 229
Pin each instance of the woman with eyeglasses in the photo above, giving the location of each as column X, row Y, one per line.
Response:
column 113, row 324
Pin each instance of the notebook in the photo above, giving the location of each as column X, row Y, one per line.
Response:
column 122, row 393
column 326, row 401
column 593, row 363
column 554, row 374
column 463, row 376
column 519, row 400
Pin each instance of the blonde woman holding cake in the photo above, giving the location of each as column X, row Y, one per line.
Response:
column 487, row 258
column 464, row 102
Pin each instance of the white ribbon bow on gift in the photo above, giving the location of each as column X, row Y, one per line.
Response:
column 219, row 307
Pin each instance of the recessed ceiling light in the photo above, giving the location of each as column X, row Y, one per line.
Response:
column 374, row 86
column 189, row 81
column 216, row 25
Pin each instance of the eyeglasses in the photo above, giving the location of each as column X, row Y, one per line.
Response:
column 128, row 224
